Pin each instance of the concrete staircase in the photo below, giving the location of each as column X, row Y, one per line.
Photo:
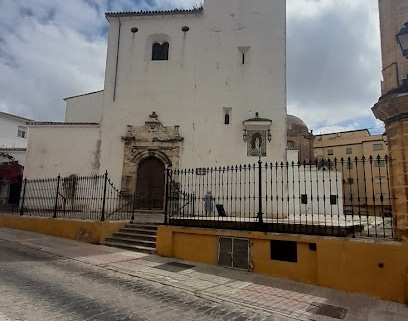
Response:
column 138, row 237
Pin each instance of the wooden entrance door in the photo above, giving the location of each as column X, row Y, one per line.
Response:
column 150, row 184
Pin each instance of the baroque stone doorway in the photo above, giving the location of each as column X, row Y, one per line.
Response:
column 150, row 184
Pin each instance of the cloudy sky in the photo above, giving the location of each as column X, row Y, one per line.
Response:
column 51, row 49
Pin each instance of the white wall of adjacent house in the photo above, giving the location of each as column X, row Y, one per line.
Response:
column 62, row 149
column 13, row 132
column 84, row 108
column 18, row 155
column 232, row 58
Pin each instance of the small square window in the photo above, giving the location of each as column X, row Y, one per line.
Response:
column 349, row 150
column 350, row 180
column 330, row 152
column 284, row 251
column 22, row 132
column 378, row 147
column 349, row 165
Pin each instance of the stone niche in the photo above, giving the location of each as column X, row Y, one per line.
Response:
column 151, row 140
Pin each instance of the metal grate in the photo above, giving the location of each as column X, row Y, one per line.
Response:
column 233, row 253
column 327, row 310
column 174, row 267
column 225, row 252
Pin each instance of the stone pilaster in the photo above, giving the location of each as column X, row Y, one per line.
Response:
column 392, row 109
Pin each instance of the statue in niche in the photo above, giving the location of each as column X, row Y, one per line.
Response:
column 256, row 143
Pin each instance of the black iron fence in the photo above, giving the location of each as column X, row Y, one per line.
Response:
column 339, row 197
column 75, row 197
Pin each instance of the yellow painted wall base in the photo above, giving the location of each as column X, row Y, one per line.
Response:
column 85, row 231
column 372, row 267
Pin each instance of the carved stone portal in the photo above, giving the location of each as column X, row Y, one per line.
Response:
column 150, row 143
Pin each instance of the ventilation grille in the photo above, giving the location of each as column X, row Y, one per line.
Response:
column 233, row 253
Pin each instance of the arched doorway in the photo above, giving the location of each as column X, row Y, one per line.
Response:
column 150, row 184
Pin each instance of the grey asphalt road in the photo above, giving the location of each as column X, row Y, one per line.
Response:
column 36, row 285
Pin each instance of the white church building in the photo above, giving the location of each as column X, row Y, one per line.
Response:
column 182, row 88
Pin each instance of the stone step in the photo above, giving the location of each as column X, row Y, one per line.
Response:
column 139, row 237
column 130, row 247
column 152, row 227
column 135, row 230
column 132, row 241
column 145, row 237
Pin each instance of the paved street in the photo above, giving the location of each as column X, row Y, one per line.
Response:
column 47, row 278
column 41, row 286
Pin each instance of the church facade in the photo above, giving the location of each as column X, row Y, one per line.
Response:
column 182, row 89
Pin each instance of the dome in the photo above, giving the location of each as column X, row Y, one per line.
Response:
column 295, row 126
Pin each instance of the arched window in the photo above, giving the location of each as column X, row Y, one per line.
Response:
column 160, row 51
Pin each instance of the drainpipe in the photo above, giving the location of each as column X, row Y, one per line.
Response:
column 117, row 61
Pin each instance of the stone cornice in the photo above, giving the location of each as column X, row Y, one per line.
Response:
column 391, row 108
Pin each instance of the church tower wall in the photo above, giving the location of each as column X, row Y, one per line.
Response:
column 231, row 60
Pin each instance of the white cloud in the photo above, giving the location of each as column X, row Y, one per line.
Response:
column 333, row 60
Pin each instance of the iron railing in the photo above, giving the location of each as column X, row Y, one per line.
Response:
column 76, row 197
column 339, row 197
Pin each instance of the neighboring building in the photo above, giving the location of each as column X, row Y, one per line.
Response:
column 13, row 131
column 346, row 150
column 181, row 87
column 355, row 143
column 299, row 140
column 13, row 143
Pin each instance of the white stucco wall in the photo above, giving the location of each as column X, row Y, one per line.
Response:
column 203, row 75
column 84, row 108
column 19, row 155
column 8, row 131
column 62, row 149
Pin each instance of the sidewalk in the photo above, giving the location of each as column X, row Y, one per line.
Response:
column 292, row 300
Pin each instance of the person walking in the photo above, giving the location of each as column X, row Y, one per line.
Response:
column 208, row 202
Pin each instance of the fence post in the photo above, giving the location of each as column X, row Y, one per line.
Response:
column 166, row 200
column 23, row 197
column 260, row 191
column 132, row 218
column 56, row 196
column 104, row 195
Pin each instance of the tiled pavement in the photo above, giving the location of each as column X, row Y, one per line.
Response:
column 289, row 299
